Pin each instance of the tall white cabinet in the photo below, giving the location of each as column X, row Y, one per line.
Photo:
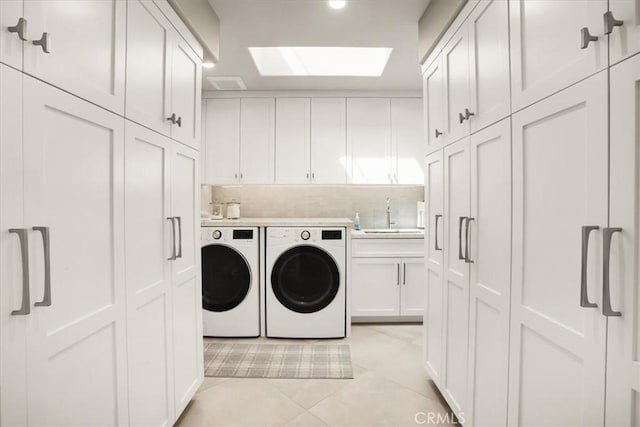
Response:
column 532, row 249
column 100, row 320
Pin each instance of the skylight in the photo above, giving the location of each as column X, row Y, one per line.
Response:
column 320, row 61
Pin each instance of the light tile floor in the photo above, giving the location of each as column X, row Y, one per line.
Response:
column 389, row 388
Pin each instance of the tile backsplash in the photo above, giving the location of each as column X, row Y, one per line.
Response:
column 332, row 201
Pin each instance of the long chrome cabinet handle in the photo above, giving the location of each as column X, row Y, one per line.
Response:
column 25, row 307
column 584, row 297
column 461, row 219
column 173, row 239
column 20, row 29
column 179, row 254
column 467, row 252
column 586, row 38
column 606, row 260
column 398, row 274
column 404, row 273
column 46, row 299
column 437, row 248
column 610, row 22
column 44, row 42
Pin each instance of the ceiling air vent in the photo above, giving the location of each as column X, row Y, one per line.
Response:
column 227, row 83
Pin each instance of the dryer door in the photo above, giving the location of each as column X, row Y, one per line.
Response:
column 226, row 278
column 305, row 279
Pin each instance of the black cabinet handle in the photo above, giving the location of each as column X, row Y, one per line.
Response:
column 584, row 298
column 438, row 133
column 468, row 114
column 606, row 261
column 44, row 42
column 586, row 38
column 20, row 29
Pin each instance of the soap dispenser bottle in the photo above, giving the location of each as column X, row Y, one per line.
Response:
column 356, row 222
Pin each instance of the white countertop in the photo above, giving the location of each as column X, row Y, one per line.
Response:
column 278, row 222
column 400, row 234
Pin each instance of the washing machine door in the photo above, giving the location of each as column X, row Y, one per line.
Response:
column 305, row 279
column 226, row 278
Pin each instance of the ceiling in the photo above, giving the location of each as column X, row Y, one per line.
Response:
column 362, row 23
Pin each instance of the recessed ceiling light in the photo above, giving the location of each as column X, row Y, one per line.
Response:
column 208, row 64
column 320, row 61
column 337, row 4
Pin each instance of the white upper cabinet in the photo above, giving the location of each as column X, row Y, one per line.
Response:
column 558, row 334
column 293, row 140
column 623, row 361
column 434, row 105
column 11, row 41
column 186, row 83
column 148, row 85
column 488, row 28
column 455, row 57
column 328, row 141
column 369, row 140
column 222, row 141
column 80, row 48
column 623, row 23
column 551, row 47
column 407, row 139
column 257, row 136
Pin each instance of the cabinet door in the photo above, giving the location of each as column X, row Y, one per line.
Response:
column 74, row 169
column 490, row 276
column 13, row 327
column 551, row 30
column 86, row 44
column 293, row 140
column 560, row 172
column 434, row 105
column 412, row 290
column 434, row 277
column 407, row 136
column 455, row 57
column 328, row 141
column 186, row 284
column 369, row 140
column 623, row 362
column 257, row 140
column 222, row 141
column 186, row 93
column 148, row 66
column 456, row 274
column 489, row 63
column 375, row 287
column 148, row 276
column 624, row 41
column 10, row 43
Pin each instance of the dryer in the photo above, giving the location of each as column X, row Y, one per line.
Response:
column 305, row 293
column 230, row 282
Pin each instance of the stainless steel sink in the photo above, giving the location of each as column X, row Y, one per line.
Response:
column 393, row 231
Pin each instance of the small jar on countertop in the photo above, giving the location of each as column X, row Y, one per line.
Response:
column 233, row 209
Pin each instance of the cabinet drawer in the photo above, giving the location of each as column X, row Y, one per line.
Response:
column 365, row 248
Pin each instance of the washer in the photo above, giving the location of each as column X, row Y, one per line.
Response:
column 230, row 282
column 305, row 293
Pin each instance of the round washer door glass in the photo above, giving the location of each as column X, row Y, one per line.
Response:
column 226, row 278
column 305, row 279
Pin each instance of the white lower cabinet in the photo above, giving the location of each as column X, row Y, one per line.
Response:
column 383, row 285
column 623, row 358
column 558, row 336
column 467, row 279
column 97, row 327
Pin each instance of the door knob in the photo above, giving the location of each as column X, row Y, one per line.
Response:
column 20, row 29
column 586, row 38
column 44, row 42
column 610, row 22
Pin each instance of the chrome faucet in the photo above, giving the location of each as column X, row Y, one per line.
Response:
column 389, row 213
